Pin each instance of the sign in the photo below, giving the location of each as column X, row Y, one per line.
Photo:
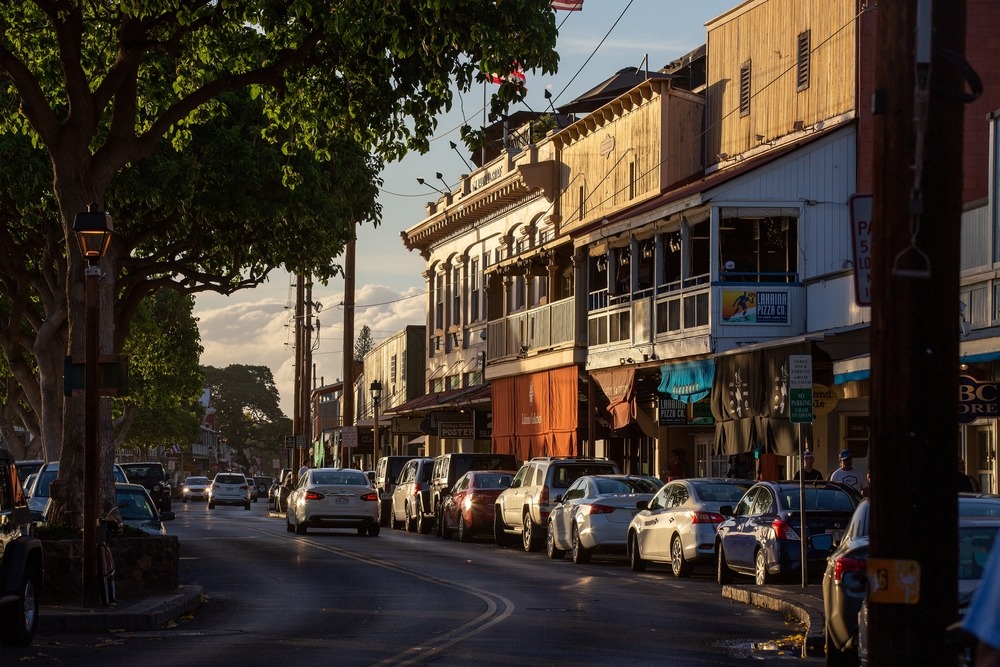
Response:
column 112, row 375
column 861, row 234
column 672, row 412
column 893, row 581
column 754, row 307
column 456, row 430
column 800, row 388
column 977, row 399
column 825, row 399
column 349, row 436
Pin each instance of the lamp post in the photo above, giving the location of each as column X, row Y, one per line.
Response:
column 376, row 390
column 93, row 230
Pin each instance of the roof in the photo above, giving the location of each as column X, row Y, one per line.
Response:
column 621, row 82
column 453, row 398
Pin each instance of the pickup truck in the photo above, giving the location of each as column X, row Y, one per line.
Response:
column 21, row 560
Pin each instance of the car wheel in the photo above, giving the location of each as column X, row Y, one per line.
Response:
column 761, row 576
column 500, row 535
column 464, row 531
column 529, row 533
column 635, row 561
column 551, row 550
column 383, row 516
column 300, row 528
column 288, row 525
column 423, row 523
column 374, row 529
column 837, row 658
column 20, row 619
column 581, row 554
column 246, row 506
column 393, row 524
column 723, row 574
column 678, row 564
column 411, row 524
column 211, row 505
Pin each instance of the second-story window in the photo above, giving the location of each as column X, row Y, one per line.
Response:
column 474, row 282
column 745, row 90
column 439, row 301
column 392, row 369
column 456, row 296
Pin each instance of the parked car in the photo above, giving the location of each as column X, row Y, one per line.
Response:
column 333, row 498
column 263, row 486
column 386, row 473
column 252, row 487
column 138, row 509
column 468, row 509
column 29, row 483
column 21, row 560
column 27, row 467
column 679, row 524
column 594, row 514
column 523, row 509
column 195, row 488
column 411, row 499
column 39, row 499
column 762, row 536
column 229, row 488
column 152, row 476
column 845, row 584
column 449, row 467
column 279, row 491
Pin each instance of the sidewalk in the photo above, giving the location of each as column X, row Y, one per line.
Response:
column 149, row 613
column 805, row 605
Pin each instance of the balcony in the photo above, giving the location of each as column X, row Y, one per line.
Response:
column 540, row 328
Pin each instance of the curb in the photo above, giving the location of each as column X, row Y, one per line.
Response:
column 815, row 640
column 150, row 613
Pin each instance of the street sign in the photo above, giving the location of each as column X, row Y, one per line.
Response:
column 349, row 436
column 861, row 234
column 800, row 389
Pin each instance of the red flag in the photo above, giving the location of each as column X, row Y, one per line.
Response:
column 567, row 5
column 515, row 75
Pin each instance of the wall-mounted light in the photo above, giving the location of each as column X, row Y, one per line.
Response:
column 648, row 249
column 602, row 264
column 798, row 125
column 675, row 243
column 723, row 156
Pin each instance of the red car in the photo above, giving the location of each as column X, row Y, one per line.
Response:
column 469, row 507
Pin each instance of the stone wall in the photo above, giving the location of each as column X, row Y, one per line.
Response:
column 143, row 565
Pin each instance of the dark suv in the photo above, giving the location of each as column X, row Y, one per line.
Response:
column 152, row 476
column 449, row 467
column 21, row 560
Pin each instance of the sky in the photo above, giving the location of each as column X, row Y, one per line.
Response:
column 254, row 326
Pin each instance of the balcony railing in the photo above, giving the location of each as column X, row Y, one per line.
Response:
column 540, row 328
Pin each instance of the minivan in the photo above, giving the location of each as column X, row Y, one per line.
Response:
column 411, row 499
column 386, row 473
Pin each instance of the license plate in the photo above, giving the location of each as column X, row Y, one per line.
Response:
column 340, row 500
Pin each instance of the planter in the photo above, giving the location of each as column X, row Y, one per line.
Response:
column 143, row 565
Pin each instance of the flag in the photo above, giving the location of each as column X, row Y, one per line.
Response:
column 517, row 74
column 567, row 5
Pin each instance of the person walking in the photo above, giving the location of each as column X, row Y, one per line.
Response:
column 678, row 465
column 807, row 472
column 846, row 474
column 966, row 482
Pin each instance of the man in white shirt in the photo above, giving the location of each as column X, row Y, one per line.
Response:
column 846, row 474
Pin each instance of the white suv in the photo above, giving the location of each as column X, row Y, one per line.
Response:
column 524, row 507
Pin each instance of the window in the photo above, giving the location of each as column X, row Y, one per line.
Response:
column 439, row 301
column 404, row 366
column 474, row 279
column 582, row 207
column 392, row 368
column 802, row 61
column 745, row 89
column 631, row 180
column 456, row 296
column 762, row 249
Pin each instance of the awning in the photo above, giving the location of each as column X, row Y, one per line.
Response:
column 466, row 396
column 419, row 440
column 535, row 414
column 974, row 351
column 618, row 385
column 687, row 381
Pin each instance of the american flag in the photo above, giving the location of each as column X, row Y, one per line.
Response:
column 568, row 5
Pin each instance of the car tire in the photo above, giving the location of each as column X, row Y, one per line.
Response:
column 410, row 522
column 723, row 575
column 211, row 505
column 500, row 535
column 383, row 515
column 247, row 505
column 288, row 525
column 761, row 576
column 837, row 658
column 551, row 550
column 393, row 524
column 679, row 565
column 529, row 533
column 19, row 620
column 581, row 554
column 374, row 529
column 423, row 523
column 301, row 528
column 464, row 532
column 635, row 561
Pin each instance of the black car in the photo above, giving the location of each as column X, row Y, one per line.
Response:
column 21, row 560
column 152, row 476
column 263, row 486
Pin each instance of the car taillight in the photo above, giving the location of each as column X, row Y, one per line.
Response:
column 846, row 564
column 783, row 530
column 706, row 517
column 370, row 496
column 543, row 497
column 312, row 495
column 417, row 488
column 596, row 509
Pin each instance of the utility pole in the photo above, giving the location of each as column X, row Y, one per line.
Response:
column 914, row 333
column 305, row 406
column 299, row 360
column 348, row 402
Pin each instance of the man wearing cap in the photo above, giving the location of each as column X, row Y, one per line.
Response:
column 846, row 474
column 808, row 473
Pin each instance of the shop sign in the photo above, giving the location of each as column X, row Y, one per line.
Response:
column 456, row 430
column 824, row 399
column 754, row 307
column 672, row 412
column 977, row 400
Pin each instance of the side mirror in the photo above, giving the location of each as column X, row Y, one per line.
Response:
column 642, row 505
column 726, row 510
column 558, row 499
column 167, row 516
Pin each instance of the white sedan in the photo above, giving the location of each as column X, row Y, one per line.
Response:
column 679, row 524
column 594, row 514
column 333, row 498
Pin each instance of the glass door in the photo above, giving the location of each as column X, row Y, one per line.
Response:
column 985, row 463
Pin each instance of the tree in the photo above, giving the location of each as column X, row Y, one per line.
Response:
column 103, row 87
column 364, row 344
column 247, row 415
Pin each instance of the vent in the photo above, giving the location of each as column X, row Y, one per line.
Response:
column 802, row 61
column 745, row 89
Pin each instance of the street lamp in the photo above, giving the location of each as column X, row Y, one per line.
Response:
column 376, row 390
column 93, row 230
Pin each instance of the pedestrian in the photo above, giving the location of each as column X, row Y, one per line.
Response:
column 866, row 492
column 678, row 465
column 303, row 469
column 966, row 482
column 983, row 617
column 808, row 473
column 846, row 474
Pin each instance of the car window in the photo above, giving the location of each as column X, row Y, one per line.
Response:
column 564, row 475
column 680, row 496
column 395, row 466
column 519, row 477
column 461, row 484
column 230, row 479
column 134, row 506
column 619, row 486
column 720, row 493
column 346, row 477
column 196, row 480
column 659, row 500
column 577, row 490
column 743, row 508
column 978, row 507
column 493, row 481
column 763, row 503
column 425, row 472
column 832, row 499
column 974, row 545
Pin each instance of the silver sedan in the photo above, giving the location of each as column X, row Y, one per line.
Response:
column 594, row 514
column 679, row 524
column 333, row 498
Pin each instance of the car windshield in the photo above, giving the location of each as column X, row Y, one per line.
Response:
column 196, row 481
column 486, row 481
column 135, row 472
column 323, row 477
column 608, row 485
column 720, row 493
column 828, row 499
column 974, row 545
column 134, row 505
column 230, row 479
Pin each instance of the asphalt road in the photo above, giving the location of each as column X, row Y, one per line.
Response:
column 336, row 598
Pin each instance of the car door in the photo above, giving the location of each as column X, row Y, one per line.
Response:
column 513, row 498
column 453, row 503
column 399, row 493
column 677, row 518
column 738, row 540
column 649, row 521
column 564, row 512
